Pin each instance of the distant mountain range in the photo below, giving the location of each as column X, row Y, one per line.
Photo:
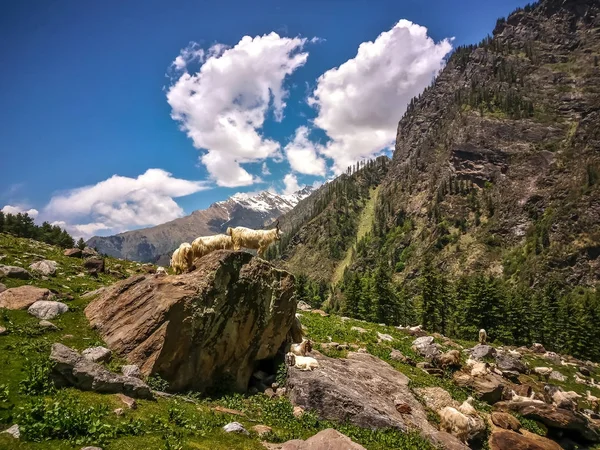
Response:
column 155, row 244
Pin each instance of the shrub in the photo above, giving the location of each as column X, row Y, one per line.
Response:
column 37, row 377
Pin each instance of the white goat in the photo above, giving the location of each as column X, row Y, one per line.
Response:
column 183, row 258
column 302, row 349
column 462, row 422
column 203, row 245
column 543, row 372
column 254, row 239
column 482, row 336
column 514, row 354
column 161, row 271
column 301, row 362
column 519, row 398
column 480, row 369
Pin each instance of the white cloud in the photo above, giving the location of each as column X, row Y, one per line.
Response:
column 120, row 203
column 290, row 184
column 360, row 102
column 265, row 169
column 16, row 209
column 191, row 53
column 303, row 156
column 223, row 106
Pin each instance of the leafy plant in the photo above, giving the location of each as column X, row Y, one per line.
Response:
column 157, row 383
column 37, row 377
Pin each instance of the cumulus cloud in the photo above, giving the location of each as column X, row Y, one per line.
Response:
column 16, row 209
column 120, row 203
column 223, row 106
column 360, row 102
column 303, row 156
column 290, row 183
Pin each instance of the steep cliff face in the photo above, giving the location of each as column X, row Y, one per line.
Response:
column 496, row 167
column 155, row 244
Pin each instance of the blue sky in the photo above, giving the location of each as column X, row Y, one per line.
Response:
column 94, row 90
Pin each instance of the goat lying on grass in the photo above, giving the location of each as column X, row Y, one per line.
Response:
column 182, row 259
column 203, row 245
column 254, row 239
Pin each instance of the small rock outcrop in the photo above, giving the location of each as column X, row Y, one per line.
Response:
column 23, row 297
column 482, row 351
column 488, row 388
column 97, row 354
column 328, row 439
column 88, row 252
column 73, row 252
column 45, row 267
column 365, row 391
column 235, row 427
column 509, row 363
column 47, row 309
column 200, row 328
column 510, row 440
column 131, row 370
column 505, row 420
column 14, row 272
column 72, row 369
column 425, row 347
column 94, row 265
column 14, row 431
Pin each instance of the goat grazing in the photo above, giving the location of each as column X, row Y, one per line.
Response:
column 302, row 349
column 449, row 359
column 301, row 362
column 254, row 239
column 182, row 259
column 203, row 245
column 482, row 336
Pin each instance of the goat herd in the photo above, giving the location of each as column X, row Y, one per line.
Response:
column 236, row 238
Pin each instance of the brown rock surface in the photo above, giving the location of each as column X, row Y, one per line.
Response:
column 328, row 439
column 363, row 390
column 22, row 297
column 203, row 327
column 488, row 388
column 509, row 440
column 506, row 421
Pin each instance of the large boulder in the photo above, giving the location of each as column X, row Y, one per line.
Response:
column 73, row 252
column 203, row 328
column 45, row 267
column 365, row 391
column 94, row 265
column 14, row 272
column 509, row 440
column 509, row 363
column 72, row 369
column 482, row 351
column 488, row 388
column 436, row 398
column 88, row 252
column 328, row 439
column 47, row 310
column 425, row 347
column 23, row 297
column 553, row 417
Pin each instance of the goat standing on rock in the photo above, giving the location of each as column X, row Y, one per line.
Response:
column 254, row 239
column 482, row 337
column 203, row 245
column 183, row 258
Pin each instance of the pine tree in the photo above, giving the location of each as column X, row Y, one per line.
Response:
column 80, row 244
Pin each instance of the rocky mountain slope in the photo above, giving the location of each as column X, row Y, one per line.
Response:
column 497, row 166
column 155, row 244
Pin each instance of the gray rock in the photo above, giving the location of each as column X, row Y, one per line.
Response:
column 508, row 363
column 482, row 351
column 46, row 324
column 97, row 354
column 14, row 272
column 425, row 347
column 72, row 369
column 556, row 375
column 13, row 431
column 385, row 337
column 423, row 341
column 46, row 309
column 235, row 427
column 46, row 267
column 303, row 306
column 131, row 370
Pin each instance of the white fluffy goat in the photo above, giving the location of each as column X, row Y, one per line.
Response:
column 482, row 336
column 182, row 259
column 301, row 362
column 254, row 239
column 203, row 245
column 519, row 398
column 462, row 422
column 161, row 271
column 543, row 372
column 302, row 349
column 480, row 369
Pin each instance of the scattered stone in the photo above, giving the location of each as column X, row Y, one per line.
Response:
column 46, row 309
column 118, row 411
column 403, row 408
column 88, row 252
column 97, row 354
column 506, row 421
column 131, row 370
column 585, row 371
column 45, row 267
column 505, row 362
column 552, row 357
column 243, row 310
column 396, row 355
column 425, row 347
column 511, row 375
column 235, row 427
column 73, row 252
column 358, row 329
column 488, row 388
column 261, row 430
column 556, row 375
column 94, row 265
column 128, row 401
column 13, row 431
column 328, row 439
column 363, row 390
column 298, row 412
column 436, row 398
column 14, row 272
column 320, row 312
column 23, row 297
column 385, row 337
column 538, row 348
column 524, row 390
column 3, row 330
column 482, row 351
column 2, row 287
column 47, row 324
column 72, row 369
column 303, row 306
